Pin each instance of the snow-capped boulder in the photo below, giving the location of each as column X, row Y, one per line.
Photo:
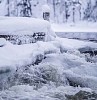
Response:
column 2, row 42
column 21, row 29
column 22, row 26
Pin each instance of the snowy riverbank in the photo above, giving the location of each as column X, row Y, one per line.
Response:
column 80, row 30
column 52, row 70
column 46, row 66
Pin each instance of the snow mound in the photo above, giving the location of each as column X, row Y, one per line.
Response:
column 46, row 8
column 81, row 27
column 22, row 25
column 22, row 55
column 55, row 63
column 2, row 42
column 18, row 27
column 74, row 44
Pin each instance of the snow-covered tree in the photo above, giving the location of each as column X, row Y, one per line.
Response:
column 8, row 2
column 88, row 10
column 61, row 10
column 94, row 12
column 25, row 7
column 91, row 11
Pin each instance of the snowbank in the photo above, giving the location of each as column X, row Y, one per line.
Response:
column 3, row 8
column 55, row 63
column 82, row 30
column 20, row 55
column 21, row 30
column 46, row 8
column 2, row 42
column 81, row 27
column 75, row 44
column 22, row 26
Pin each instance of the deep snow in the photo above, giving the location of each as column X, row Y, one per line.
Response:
column 58, row 65
column 80, row 30
column 20, row 55
column 82, row 26
column 44, row 70
column 22, row 25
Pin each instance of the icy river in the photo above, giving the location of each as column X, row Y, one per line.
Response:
column 47, row 71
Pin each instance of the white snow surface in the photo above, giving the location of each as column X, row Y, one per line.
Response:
column 75, row 27
column 59, row 60
column 75, row 44
column 13, row 56
column 2, row 42
column 3, row 8
column 80, row 30
column 23, row 25
column 46, row 8
column 20, row 55
column 58, row 63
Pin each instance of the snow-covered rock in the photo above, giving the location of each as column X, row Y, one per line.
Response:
column 46, row 8
column 2, row 42
column 20, row 26
column 54, row 63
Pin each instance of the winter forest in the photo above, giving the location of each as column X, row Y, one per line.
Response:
column 48, row 49
column 62, row 11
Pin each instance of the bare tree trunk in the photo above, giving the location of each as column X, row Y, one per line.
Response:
column 30, row 8
column 8, row 12
column 54, row 8
column 65, row 11
column 73, row 12
column 16, row 8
